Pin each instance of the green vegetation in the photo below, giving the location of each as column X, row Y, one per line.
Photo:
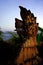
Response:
column 40, row 29
column 40, row 35
column 1, row 35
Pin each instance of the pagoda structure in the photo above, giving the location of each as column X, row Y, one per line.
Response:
column 27, row 29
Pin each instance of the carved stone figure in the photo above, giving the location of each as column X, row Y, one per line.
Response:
column 28, row 28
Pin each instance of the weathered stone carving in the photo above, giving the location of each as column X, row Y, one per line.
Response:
column 27, row 28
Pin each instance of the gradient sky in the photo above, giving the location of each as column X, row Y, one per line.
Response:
column 9, row 10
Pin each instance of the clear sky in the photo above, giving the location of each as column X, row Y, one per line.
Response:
column 9, row 10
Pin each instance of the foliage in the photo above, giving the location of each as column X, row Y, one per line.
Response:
column 1, row 39
column 40, row 35
column 1, row 35
column 0, row 32
column 40, row 29
column 14, row 37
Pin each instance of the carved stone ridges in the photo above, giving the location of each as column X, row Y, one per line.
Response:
column 27, row 26
column 23, row 12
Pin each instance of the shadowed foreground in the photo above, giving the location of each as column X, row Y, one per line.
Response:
column 9, row 53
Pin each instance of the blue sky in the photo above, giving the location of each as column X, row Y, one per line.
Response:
column 9, row 10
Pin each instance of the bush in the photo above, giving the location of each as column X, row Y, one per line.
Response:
column 1, row 36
